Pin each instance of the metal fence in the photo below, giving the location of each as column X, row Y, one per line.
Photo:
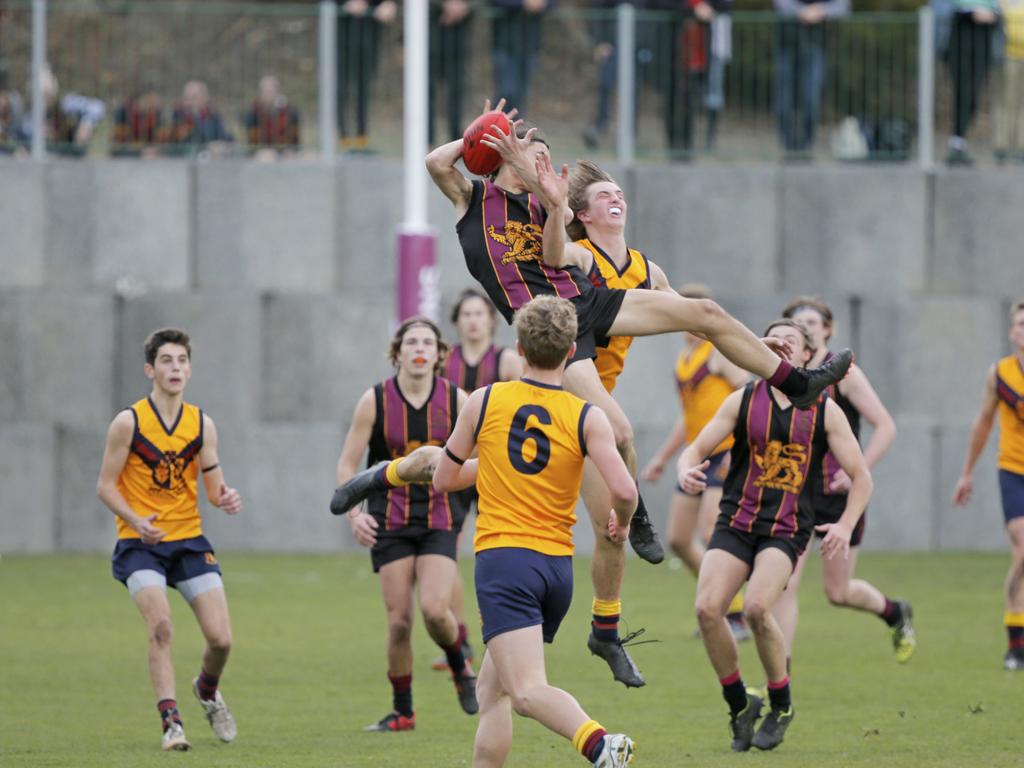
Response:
column 742, row 86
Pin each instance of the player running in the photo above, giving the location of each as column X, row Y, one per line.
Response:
column 1004, row 392
column 148, row 479
column 532, row 438
column 825, row 495
column 411, row 532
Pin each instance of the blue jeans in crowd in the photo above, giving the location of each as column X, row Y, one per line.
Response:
column 799, row 79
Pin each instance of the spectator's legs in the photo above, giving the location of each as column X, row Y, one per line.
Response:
column 435, row 74
column 785, row 93
column 812, row 81
column 714, row 99
column 456, row 50
column 368, row 47
column 531, row 57
column 507, row 60
column 970, row 55
column 345, row 66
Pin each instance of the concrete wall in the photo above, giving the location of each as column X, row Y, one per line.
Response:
column 284, row 274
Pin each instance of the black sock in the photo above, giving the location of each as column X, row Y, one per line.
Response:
column 401, row 694
column 456, row 659
column 778, row 695
column 734, row 692
column 641, row 509
column 892, row 614
column 792, row 381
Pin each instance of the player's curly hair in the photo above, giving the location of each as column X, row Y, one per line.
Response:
column 789, row 322
column 396, row 341
column 583, row 174
column 466, row 295
column 818, row 305
column 158, row 338
column 546, row 329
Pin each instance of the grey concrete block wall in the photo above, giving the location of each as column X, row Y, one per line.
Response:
column 57, row 353
column 713, row 225
column 23, row 222
column 143, row 223
column 28, row 476
column 284, row 275
column 848, row 226
column 977, row 232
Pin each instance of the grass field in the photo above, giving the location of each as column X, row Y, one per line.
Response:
column 307, row 673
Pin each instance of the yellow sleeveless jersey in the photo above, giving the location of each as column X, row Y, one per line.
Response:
column 701, row 392
column 604, row 273
column 531, row 448
column 162, row 471
column 1010, row 390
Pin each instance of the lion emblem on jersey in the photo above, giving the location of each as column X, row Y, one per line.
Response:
column 522, row 240
column 782, row 466
column 169, row 472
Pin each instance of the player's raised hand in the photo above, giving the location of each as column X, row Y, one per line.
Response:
column 500, row 107
column 836, row 541
column 554, row 187
column 694, row 480
column 964, row 489
column 230, row 500
column 150, row 533
column 364, row 529
column 779, row 346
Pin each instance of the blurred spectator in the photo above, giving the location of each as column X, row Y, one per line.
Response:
column 603, row 31
column 359, row 26
column 70, row 118
column 271, row 124
column 1009, row 117
column 719, row 56
column 140, row 125
column 195, row 123
column 970, row 59
column 515, row 40
column 800, row 68
column 12, row 117
column 449, row 52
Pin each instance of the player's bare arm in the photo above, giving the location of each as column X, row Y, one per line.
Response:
column 659, row 280
column 692, row 463
column 441, row 164
column 676, row 440
column 455, row 474
column 364, row 527
column 980, row 430
column 844, row 446
column 858, row 390
column 601, row 449
column 115, row 455
column 218, row 492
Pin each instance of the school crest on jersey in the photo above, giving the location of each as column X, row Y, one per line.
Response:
column 781, row 466
column 522, row 240
column 167, row 468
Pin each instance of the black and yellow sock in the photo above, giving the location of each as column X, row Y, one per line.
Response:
column 1014, row 630
column 605, row 623
column 589, row 740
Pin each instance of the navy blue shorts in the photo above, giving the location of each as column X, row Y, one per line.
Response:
column 1011, row 488
column 176, row 560
column 716, row 473
column 518, row 588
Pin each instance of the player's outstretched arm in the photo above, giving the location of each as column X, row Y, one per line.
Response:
column 844, row 446
column 455, row 470
column 119, row 441
column 858, row 390
column 600, row 448
column 691, row 466
column 676, row 440
column 980, row 430
column 218, row 492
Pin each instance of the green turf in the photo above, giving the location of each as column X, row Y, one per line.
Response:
column 307, row 673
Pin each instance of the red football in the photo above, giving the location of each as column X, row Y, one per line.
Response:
column 478, row 157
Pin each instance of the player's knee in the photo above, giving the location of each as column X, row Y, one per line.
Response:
column 161, row 632
column 836, row 594
column 709, row 315
column 219, row 641
column 756, row 613
column 709, row 613
column 435, row 610
column 399, row 629
column 522, row 703
column 623, row 432
column 604, row 547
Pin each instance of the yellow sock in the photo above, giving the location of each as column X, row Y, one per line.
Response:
column 607, row 607
column 736, row 606
column 391, row 473
column 583, row 734
column 1013, row 619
